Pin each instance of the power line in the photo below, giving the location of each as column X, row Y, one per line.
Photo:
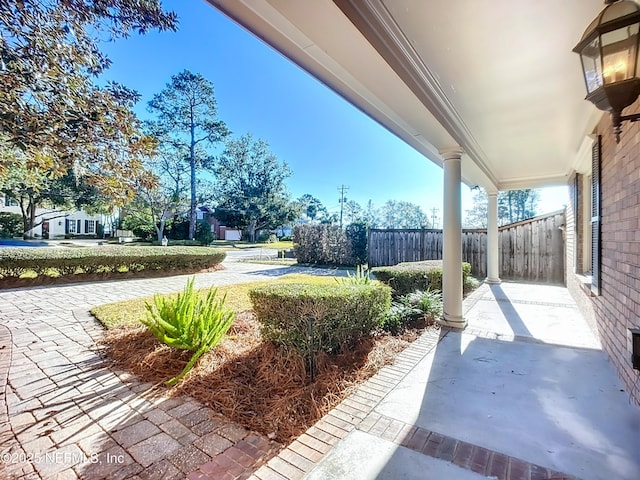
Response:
column 342, row 199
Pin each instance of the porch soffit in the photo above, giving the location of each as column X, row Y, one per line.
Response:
column 497, row 78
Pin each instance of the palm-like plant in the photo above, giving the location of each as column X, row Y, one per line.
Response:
column 189, row 322
column 361, row 277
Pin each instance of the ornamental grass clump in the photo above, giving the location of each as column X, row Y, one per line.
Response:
column 189, row 322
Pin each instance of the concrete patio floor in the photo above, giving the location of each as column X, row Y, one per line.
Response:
column 523, row 393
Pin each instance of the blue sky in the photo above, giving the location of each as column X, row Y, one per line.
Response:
column 326, row 141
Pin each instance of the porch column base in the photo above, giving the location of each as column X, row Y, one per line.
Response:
column 453, row 321
column 492, row 281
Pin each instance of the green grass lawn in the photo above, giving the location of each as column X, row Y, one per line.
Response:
column 129, row 312
column 227, row 244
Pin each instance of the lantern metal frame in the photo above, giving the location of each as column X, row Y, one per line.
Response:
column 612, row 96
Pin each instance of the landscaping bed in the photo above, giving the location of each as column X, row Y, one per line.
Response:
column 21, row 267
column 245, row 378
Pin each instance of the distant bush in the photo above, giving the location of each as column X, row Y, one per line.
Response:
column 286, row 238
column 10, row 225
column 141, row 229
column 188, row 322
column 313, row 318
column 408, row 277
column 322, row 245
column 204, row 235
column 15, row 262
column 357, row 233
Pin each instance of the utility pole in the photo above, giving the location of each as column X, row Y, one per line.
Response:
column 342, row 199
column 434, row 211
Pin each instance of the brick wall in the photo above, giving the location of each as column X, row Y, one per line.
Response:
column 618, row 306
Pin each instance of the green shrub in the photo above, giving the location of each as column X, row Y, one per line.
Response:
column 398, row 316
column 141, row 227
column 262, row 236
column 204, row 235
column 188, row 322
column 14, row 262
column 313, row 318
column 10, row 225
column 411, row 276
column 322, row 245
column 357, row 233
column 427, row 303
column 410, row 307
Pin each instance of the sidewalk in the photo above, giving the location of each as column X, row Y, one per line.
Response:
column 524, row 393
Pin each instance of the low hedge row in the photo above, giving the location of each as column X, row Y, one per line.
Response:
column 15, row 262
column 408, row 277
column 313, row 318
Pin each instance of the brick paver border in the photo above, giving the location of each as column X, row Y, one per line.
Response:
column 464, row 454
column 6, row 345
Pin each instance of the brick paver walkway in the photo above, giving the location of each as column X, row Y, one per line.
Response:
column 66, row 414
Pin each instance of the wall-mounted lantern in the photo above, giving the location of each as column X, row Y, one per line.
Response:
column 609, row 51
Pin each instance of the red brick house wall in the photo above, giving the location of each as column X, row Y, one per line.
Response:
column 617, row 307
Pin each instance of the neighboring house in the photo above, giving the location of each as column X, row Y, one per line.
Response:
column 492, row 92
column 58, row 224
column 220, row 231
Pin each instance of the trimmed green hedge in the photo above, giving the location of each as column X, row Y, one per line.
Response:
column 341, row 315
column 408, row 277
column 15, row 262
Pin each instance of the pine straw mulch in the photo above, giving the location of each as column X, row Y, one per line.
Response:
column 253, row 383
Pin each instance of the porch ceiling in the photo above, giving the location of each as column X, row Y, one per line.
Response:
column 495, row 77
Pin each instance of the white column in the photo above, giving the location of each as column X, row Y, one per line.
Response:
column 493, row 269
column 452, row 239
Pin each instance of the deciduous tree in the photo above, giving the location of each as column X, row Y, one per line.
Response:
column 32, row 187
column 513, row 206
column 50, row 108
column 402, row 214
column 250, row 188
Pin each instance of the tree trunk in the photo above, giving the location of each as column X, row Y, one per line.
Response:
column 192, row 165
column 192, row 206
column 251, row 228
column 160, row 229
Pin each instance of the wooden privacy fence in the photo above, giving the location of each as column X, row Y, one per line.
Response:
column 529, row 250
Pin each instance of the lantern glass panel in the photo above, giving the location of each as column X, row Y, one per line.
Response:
column 592, row 65
column 619, row 50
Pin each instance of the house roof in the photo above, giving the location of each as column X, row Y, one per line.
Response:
column 495, row 77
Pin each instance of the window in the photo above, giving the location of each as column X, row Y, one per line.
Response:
column 89, row 226
column 10, row 202
column 71, row 226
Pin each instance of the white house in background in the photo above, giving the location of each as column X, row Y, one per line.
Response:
column 58, row 224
